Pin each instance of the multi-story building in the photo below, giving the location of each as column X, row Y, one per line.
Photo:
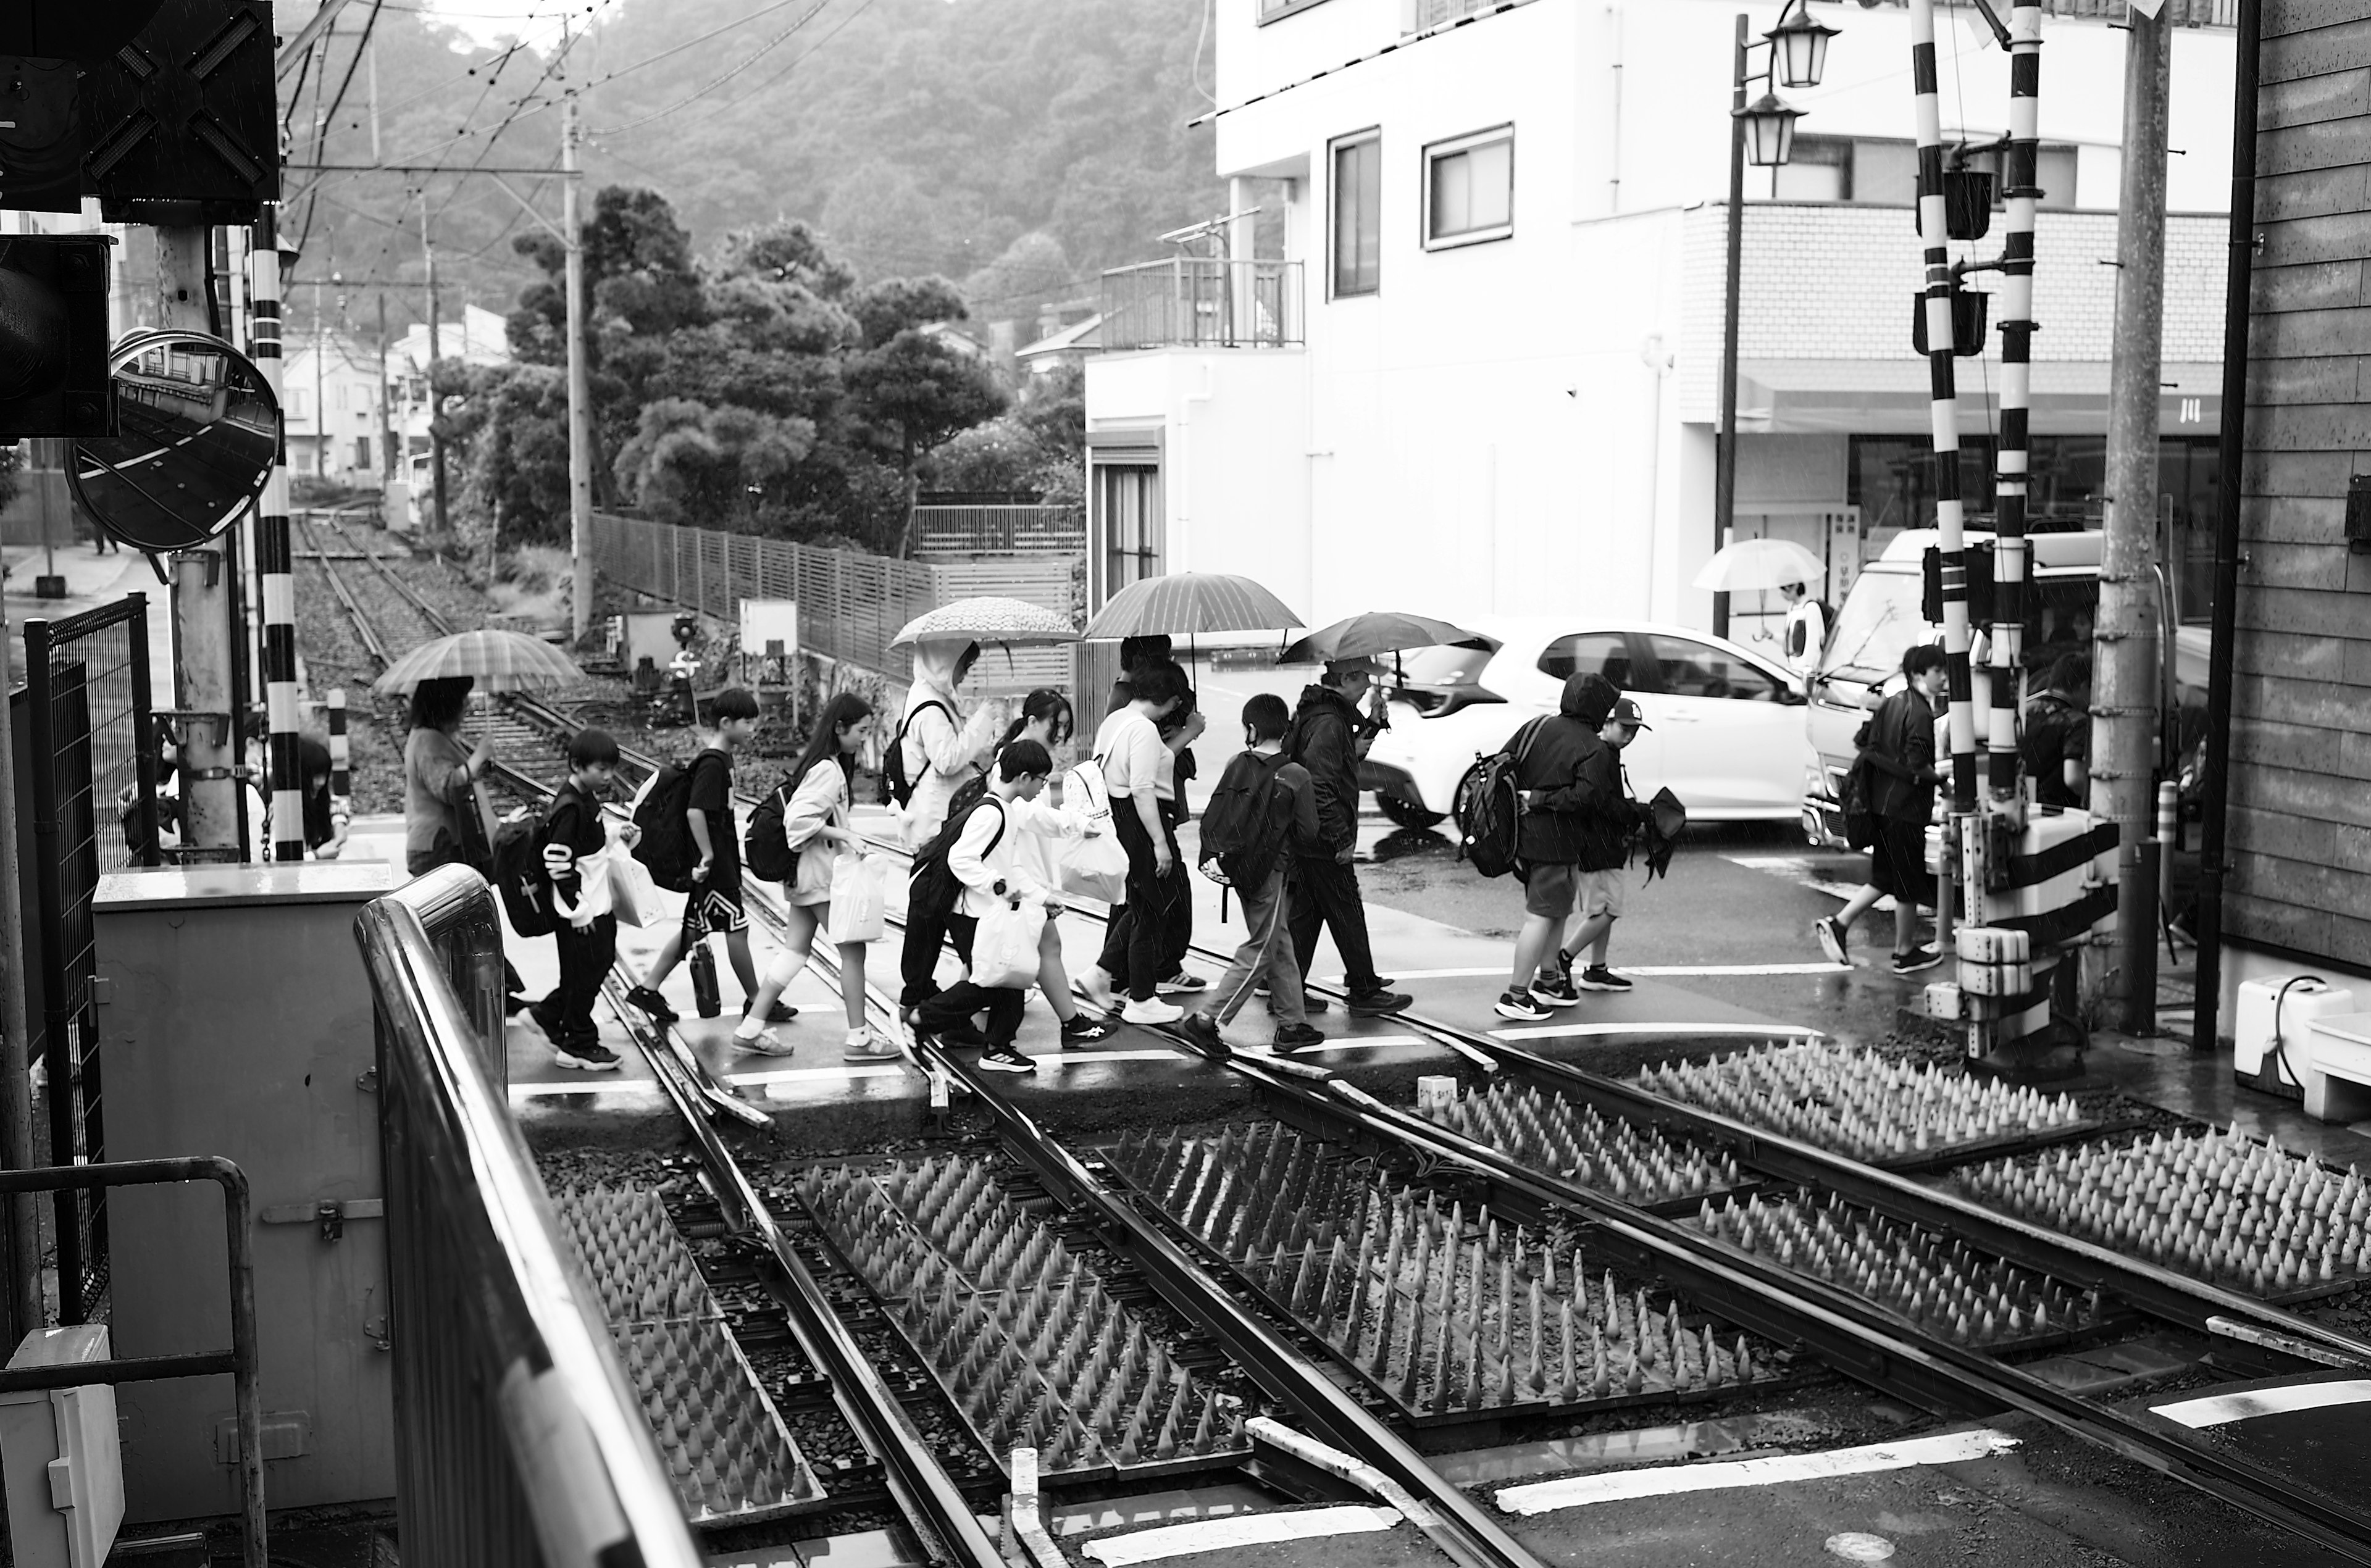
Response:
column 1479, row 371
column 480, row 337
column 330, row 391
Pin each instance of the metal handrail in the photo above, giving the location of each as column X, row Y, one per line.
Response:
column 518, row 1439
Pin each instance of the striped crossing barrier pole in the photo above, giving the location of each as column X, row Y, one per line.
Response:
column 274, row 567
column 2010, row 558
column 341, row 787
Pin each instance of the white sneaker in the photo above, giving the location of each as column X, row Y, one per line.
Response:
column 1152, row 1011
column 1097, row 987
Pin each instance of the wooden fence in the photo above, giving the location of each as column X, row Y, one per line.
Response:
column 850, row 605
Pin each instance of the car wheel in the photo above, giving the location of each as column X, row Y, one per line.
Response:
column 1463, row 808
column 1406, row 813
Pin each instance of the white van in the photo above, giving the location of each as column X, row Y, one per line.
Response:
column 1881, row 618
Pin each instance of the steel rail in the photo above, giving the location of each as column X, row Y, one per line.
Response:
column 436, row 618
column 372, row 643
column 1889, row 1350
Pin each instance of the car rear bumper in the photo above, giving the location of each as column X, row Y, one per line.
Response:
column 1385, row 779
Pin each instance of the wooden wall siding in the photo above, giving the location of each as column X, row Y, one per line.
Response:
column 850, row 605
column 2301, row 699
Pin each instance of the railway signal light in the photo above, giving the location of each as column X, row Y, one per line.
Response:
column 53, row 337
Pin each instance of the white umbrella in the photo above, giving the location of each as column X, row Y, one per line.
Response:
column 1760, row 563
column 990, row 618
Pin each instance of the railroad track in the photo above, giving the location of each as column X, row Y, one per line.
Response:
column 1801, row 1246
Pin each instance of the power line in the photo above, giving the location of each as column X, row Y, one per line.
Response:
column 767, row 48
column 759, row 91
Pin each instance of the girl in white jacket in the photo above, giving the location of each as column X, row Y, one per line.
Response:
column 815, row 823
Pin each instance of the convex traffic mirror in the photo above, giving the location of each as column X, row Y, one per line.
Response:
column 200, row 428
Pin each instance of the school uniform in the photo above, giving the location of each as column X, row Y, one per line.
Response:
column 573, row 839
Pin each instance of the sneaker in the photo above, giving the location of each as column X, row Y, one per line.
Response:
column 778, row 1013
column 1916, row 959
column 1832, row 938
column 1292, row 1037
column 1005, row 1059
column 1553, row 990
column 1312, row 1002
column 1377, row 1003
column 1153, row 1009
column 1180, row 985
column 1096, row 986
column 864, row 1045
column 650, row 1002
column 765, row 1043
column 1519, row 1005
column 1082, row 1029
column 544, row 1020
column 964, row 1036
column 513, row 1004
column 1202, row 1030
column 586, row 1056
column 1597, row 978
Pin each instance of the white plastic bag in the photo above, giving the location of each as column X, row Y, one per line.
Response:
column 1004, row 948
column 859, row 900
column 1096, row 865
column 633, row 896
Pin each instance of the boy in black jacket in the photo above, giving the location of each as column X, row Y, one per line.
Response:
column 573, row 839
column 1898, row 741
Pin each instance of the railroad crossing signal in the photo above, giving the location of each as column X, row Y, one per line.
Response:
column 182, row 121
column 53, row 337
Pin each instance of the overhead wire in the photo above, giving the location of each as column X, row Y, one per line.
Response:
column 803, row 55
column 762, row 51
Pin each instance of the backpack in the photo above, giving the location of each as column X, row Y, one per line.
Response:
column 1244, row 824
column 1495, row 806
column 1857, row 806
column 766, row 847
column 932, row 888
column 665, row 846
column 895, row 788
column 519, row 875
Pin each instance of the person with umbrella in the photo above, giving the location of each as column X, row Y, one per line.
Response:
column 444, row 815
column 1324, row 740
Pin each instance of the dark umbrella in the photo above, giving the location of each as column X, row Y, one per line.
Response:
column 1377, row 632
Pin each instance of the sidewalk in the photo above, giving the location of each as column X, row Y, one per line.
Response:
column 92, row 581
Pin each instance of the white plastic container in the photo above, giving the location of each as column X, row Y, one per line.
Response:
column 2274, row 1010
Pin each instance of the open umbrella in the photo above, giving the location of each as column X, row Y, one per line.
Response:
column 1760, row 563
column 1191, row 604
column 497, row 661
column 990, row 618
column 1377, row 632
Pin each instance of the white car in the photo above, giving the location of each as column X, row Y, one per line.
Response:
column 1726, row 733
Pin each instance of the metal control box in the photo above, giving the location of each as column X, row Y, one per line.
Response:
column 235, row 1018
column 58, row 1451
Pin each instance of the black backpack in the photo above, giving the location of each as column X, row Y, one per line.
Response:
column 895, row 788
column 520, row 878
column 766, row 847
column 1495, row 806
column 665, row 846
column 1243, row 826
column 931, row 887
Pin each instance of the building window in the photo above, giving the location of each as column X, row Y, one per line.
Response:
column 1358, row 214
column 1129, row 497
column 1269, row 10
column 1819, row 170
column 362, row 452
column 1879, row 173
column 1469, row 189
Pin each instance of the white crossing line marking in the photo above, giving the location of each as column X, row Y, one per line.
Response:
column 602, row 1085
column 1651, row 970
column 2222, row 1409
column 1237, row 1531
column 1555, row 1031
column 1345, row 1043
column 1573, row 1492
column 809, row 1074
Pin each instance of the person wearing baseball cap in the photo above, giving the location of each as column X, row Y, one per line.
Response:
column 1324, row 740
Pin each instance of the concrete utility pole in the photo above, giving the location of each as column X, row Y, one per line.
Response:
column 2124, row 660
column 435, row 442
column 386, row 408
column 579, row 390
column 204, row 659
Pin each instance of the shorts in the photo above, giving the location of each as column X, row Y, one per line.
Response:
column 1604, row 892
column 1897, row 861
column 1549, row 889
column 713, row 909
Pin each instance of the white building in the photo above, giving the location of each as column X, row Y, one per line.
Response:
column 329, row 396
column 480, row 337
column 1483, row 376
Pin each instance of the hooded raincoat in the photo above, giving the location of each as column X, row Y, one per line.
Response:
column 941, row 754
column 1575, row 810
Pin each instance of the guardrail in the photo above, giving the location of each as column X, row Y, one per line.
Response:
column 518, row 1439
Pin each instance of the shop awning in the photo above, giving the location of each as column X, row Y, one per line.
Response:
column 1890, row 396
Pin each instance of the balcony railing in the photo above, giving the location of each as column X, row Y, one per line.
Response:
column 1416, row 15
column 1194, row 302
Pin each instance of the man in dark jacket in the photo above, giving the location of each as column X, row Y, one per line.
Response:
column 1561, row 768
column 1324, row 740
column 2057, row 750
column 1899, row 744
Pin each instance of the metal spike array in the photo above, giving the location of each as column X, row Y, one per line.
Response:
column 1022, row 1336
column 2218, row 1205
column 1939, row 1283
column 731, row 1460
column 1449, row 1317
column 1858, row 1102
column 1549, row 1132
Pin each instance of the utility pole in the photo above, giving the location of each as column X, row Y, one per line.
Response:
column 435, row 442
column 320, row 392
column 386, row 412
column 203, row 663
column 580, row 392
column 1724, row 482
column 2124, row 660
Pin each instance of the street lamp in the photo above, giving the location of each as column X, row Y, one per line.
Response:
column 1765, row 130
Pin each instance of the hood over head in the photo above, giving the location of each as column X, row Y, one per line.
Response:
column 1588, row 698
column 934, row 665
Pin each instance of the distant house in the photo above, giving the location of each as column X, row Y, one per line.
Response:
column 481, row 337
column 1062, row 343
column 329, row 396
